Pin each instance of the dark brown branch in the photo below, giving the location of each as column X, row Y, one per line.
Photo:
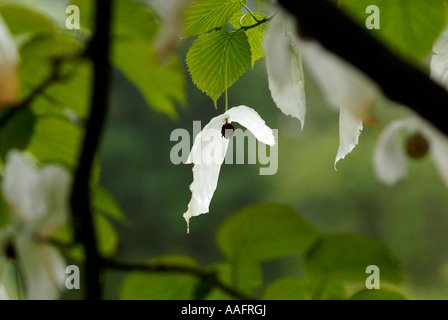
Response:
column 53, row 77
column 399, row 80
column 80, row 198
column 197, row 272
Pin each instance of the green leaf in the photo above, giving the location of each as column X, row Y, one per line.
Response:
column 161, row 84
column 264, row 232
column 242, row 276
column 104, row 202
column 379, row 294
column 298, row 289
column 217, row 59
column 22, row 20
column 17, row 132
column 408, row 27
column 255, row 35
column 55, row 140
column 107, row 237
column 204, row 15
column 345, row 257
column 161, row 285
column 286, row 289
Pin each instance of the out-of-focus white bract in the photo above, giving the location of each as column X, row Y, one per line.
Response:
column 38, row 199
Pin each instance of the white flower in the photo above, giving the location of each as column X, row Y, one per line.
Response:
column 344, row 87
column 389, row 159
column 284, row 66
column 38, row 198
column 209, row 150
column 9, row 59
column 439, row 60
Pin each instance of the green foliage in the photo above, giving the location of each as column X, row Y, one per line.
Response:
column 345, row 257
column 217, row 59
column 264, row 232
column 255, row 36
column 166, row 286
column 22, row 20
column 408, row 27
column 17, row 132
column 378, row 294
column 271, row 231
column 204, row 15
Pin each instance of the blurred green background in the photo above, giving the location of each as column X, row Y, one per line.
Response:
column 411, row 218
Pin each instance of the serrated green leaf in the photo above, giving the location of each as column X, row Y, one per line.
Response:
column 345, row 257
column 163, row 285
column 264, row 232
column 255, row 35
column 217, row 59
column 204, row 15
column 408, row 27
column 379, row 294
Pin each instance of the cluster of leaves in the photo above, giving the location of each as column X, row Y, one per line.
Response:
column 219, row 56
column 265, row 232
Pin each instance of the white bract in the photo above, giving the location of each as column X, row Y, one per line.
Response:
column 209, row 150
column 284, row 66
column 344, row 87
column 38, row 198
column 389, row 159
column 9, row 59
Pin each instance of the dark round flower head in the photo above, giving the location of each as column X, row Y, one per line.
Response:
column 227, row 130
column 417, row 146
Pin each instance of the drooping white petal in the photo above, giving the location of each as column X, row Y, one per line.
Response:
column 438, row 148
column 250, row 119
column 43, row 268
column 345, row 88
column 439, row 60
column 284, row 67
column 207, row 155
column 22, row 188
column 389, row 157
column 9, row 59
column 350, row 128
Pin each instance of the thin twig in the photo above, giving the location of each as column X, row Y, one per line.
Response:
column 197, row 272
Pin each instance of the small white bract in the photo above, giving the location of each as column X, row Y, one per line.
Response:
column 209, row 150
